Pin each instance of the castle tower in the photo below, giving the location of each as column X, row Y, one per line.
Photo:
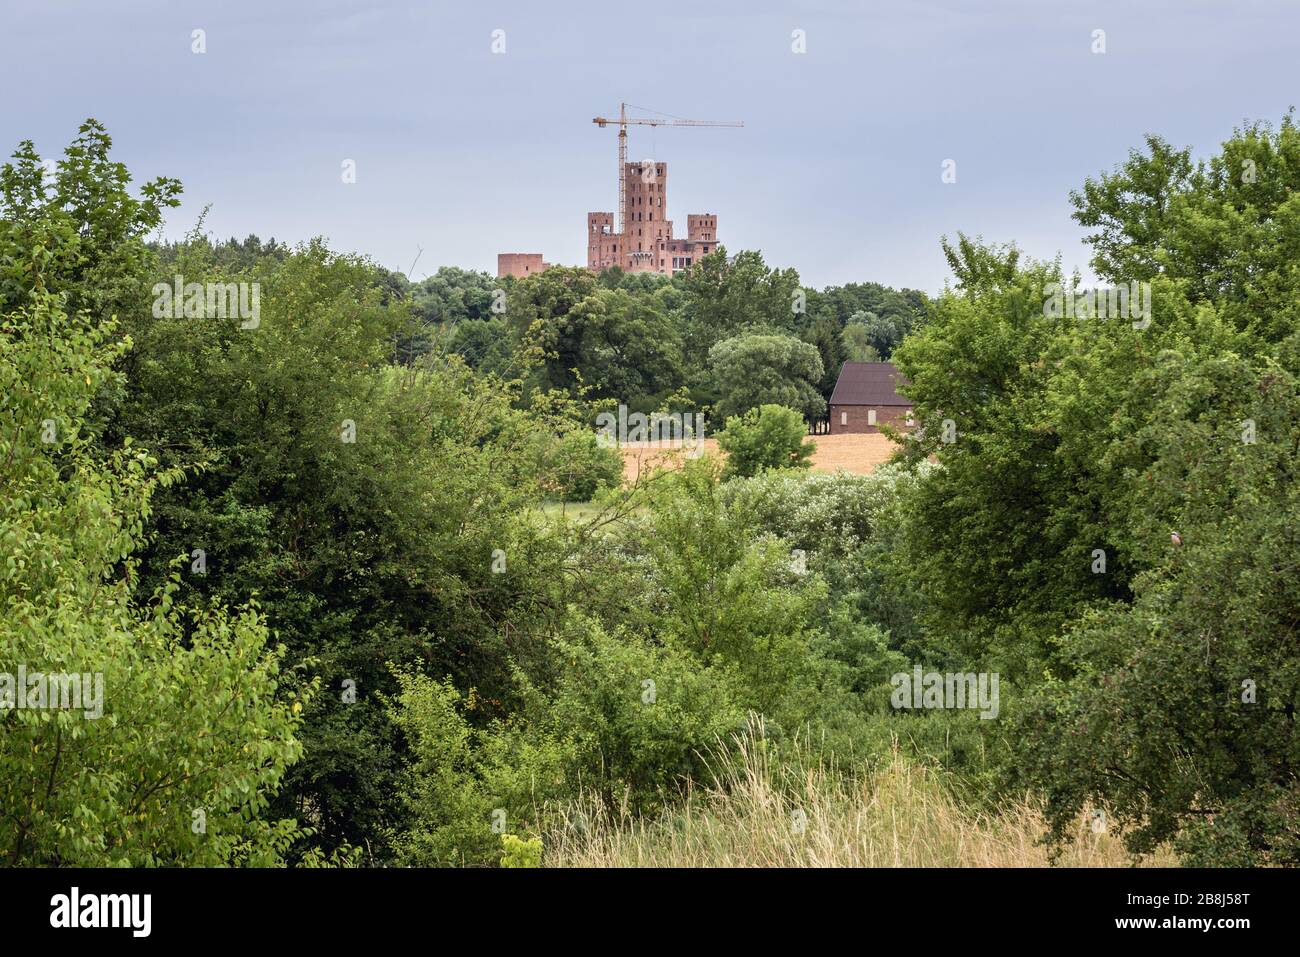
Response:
column 648, row 244
column 702, row 228
column 603, row 244
column 647, row 216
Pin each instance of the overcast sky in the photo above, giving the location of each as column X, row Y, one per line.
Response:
column 468, row 153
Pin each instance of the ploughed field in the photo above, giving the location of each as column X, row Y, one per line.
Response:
column 859, row 454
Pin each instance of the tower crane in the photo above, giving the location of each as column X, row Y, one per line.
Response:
column 623, row 123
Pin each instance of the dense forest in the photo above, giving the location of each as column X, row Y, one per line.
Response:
column 311, row 546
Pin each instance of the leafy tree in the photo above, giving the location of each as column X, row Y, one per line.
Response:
column 1227, row 227
column 840, row 303
column 607, row 343
column 184, row 741
column 881, row 333
column 453, row 295
column 833, row 349
column 754, row 370
column 485, row 346
column 579, row 465
column 363, row 503
column 1177, row 711
column 1110, row 495
column 81, row 230
column 769, row 437
column 725, row 297
column 858, row 343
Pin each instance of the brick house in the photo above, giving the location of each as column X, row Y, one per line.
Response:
column 866, row 397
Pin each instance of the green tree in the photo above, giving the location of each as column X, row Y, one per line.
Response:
column 366, row 504
column 1228, row 226
column 769, row 437
column 754, row 370
column 1176, row 713
column 858, row 343
column 186, row 739
column 726, row 296
column 81, row 229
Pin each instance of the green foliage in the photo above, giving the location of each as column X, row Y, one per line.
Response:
column 724, row 588
column 729, row 295
column 518, row 852
column 879, row 334
column 79, row 232
column 609, row 343
column 1113, row 520
column 451, row 815
column 755, row 370
column 1226, row 227
column 465, row 783
column 363, row 552
column 1102, row 511
column 768, row 437
column 858, row 343
column 639, row 716
column 189, row 741
column 1177, row 709
column 580, row 466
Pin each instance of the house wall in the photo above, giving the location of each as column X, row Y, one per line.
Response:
column 893, row 415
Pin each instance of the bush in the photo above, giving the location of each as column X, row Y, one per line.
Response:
column 183, row 729
column 465, row 783
column 769, row 437
column 517, row 852
column 578, row 465
column 830, row 515
column 639, row 715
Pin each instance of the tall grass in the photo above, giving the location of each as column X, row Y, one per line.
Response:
column 766, row 813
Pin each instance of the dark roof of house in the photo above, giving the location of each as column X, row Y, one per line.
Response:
column 869, row 383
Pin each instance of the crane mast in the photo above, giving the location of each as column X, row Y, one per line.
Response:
column 623, row 123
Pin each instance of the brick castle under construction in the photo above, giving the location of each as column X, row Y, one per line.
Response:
column 648, row 243
column 643, row 239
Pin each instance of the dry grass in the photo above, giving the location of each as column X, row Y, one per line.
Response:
column 901, row 816
column 859, row 454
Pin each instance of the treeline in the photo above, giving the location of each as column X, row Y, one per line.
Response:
column 310, row 553
column 725, row 337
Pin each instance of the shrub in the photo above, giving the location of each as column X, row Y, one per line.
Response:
column 578, row 465
column 518, row 852
column 639, row 715
column 769, row 437
column 187, row 733
column 465, row 783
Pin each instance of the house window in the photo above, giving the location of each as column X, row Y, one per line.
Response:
column 844, row 418
column 871, row 416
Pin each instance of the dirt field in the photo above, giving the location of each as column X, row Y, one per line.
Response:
column 858, row 454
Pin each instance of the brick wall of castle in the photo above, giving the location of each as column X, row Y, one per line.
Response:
column 649, row 244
